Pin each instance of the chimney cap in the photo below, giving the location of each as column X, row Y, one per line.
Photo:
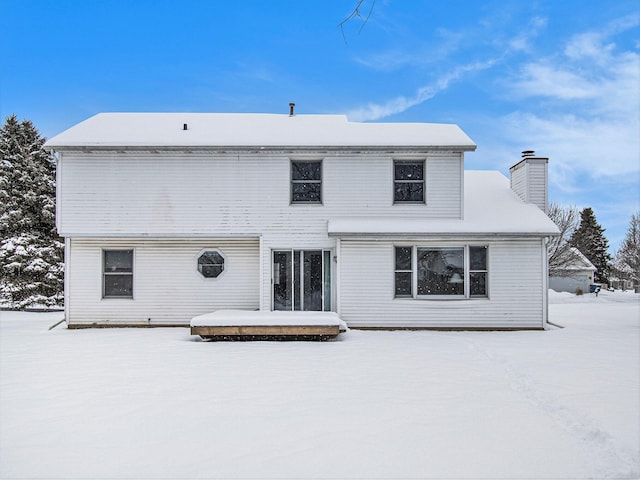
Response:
column 528, row 153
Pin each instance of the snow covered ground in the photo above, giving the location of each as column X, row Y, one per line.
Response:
column 157, row 403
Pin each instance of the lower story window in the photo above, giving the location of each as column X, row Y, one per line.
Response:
column 211, row 264
column 478, row 271
column 403, row 275
column 440, row 271
column 117, row 273
column 445, row 272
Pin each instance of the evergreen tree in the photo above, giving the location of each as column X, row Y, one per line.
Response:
column 590, row 240
column 628, row 257
column 31, row 253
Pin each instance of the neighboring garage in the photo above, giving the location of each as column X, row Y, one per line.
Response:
column 576, row 276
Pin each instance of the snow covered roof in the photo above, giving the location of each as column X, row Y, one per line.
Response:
column 491, row 207
column 579, row 262
column 252, row 130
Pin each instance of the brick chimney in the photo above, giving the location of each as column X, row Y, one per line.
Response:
column 529, row 179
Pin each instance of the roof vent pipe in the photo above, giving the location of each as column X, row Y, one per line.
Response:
column 184, row 126
column 291, row 106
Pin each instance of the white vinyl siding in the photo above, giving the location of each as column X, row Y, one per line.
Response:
column 445, row 182
column 529, row 180
column 572, row 283
column 168, row 289
column 133, row 194
column 169, row 207
column 515, row 271
column 537, row 185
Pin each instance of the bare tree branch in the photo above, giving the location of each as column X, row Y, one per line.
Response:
column 559, row 248
column 357, row 13
column 626, row 264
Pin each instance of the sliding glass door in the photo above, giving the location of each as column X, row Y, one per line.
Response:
column 302, row 280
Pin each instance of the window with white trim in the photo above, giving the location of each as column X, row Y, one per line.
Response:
column 117, row 273
column 211, row 264
column 404, row 272
column 478, row 271
column 408, row 181
column 441, row 272
column 306, row 181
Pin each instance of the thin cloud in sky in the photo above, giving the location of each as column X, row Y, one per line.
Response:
column 522, row 41
column 420, row 55
column 375, row 111
column 599, row 84
column 581, row 107
column 576, row 100
column 546, row 79
column 588, row 76
column 578, row 145
column 390, row 60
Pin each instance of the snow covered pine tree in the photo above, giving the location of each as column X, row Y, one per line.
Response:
column 31, row 253
column 590, row 240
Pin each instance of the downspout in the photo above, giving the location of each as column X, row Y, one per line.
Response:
column 58, row 157
column 67, row 241
column 462, row 199
column 261, row 273
column 65, row 280
column 545, row 283
column 338, row 268
column 545, row 293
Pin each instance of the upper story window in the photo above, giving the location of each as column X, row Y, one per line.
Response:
column 306, row 181
column 211, row 264
column 117, row 273
column 408, row 181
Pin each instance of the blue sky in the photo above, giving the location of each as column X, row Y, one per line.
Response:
column 558, row 77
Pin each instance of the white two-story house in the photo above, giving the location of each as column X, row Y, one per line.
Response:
column 167, row 216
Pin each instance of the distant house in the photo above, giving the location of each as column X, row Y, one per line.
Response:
column 622, row 283
column 167, row 216
column 621, row 278
column 576, row 276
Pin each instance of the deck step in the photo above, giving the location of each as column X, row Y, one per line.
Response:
column 258, row 325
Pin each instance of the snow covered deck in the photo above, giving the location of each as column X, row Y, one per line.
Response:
column 248, row 325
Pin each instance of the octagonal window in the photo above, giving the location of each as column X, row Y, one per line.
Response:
column 210, row 264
